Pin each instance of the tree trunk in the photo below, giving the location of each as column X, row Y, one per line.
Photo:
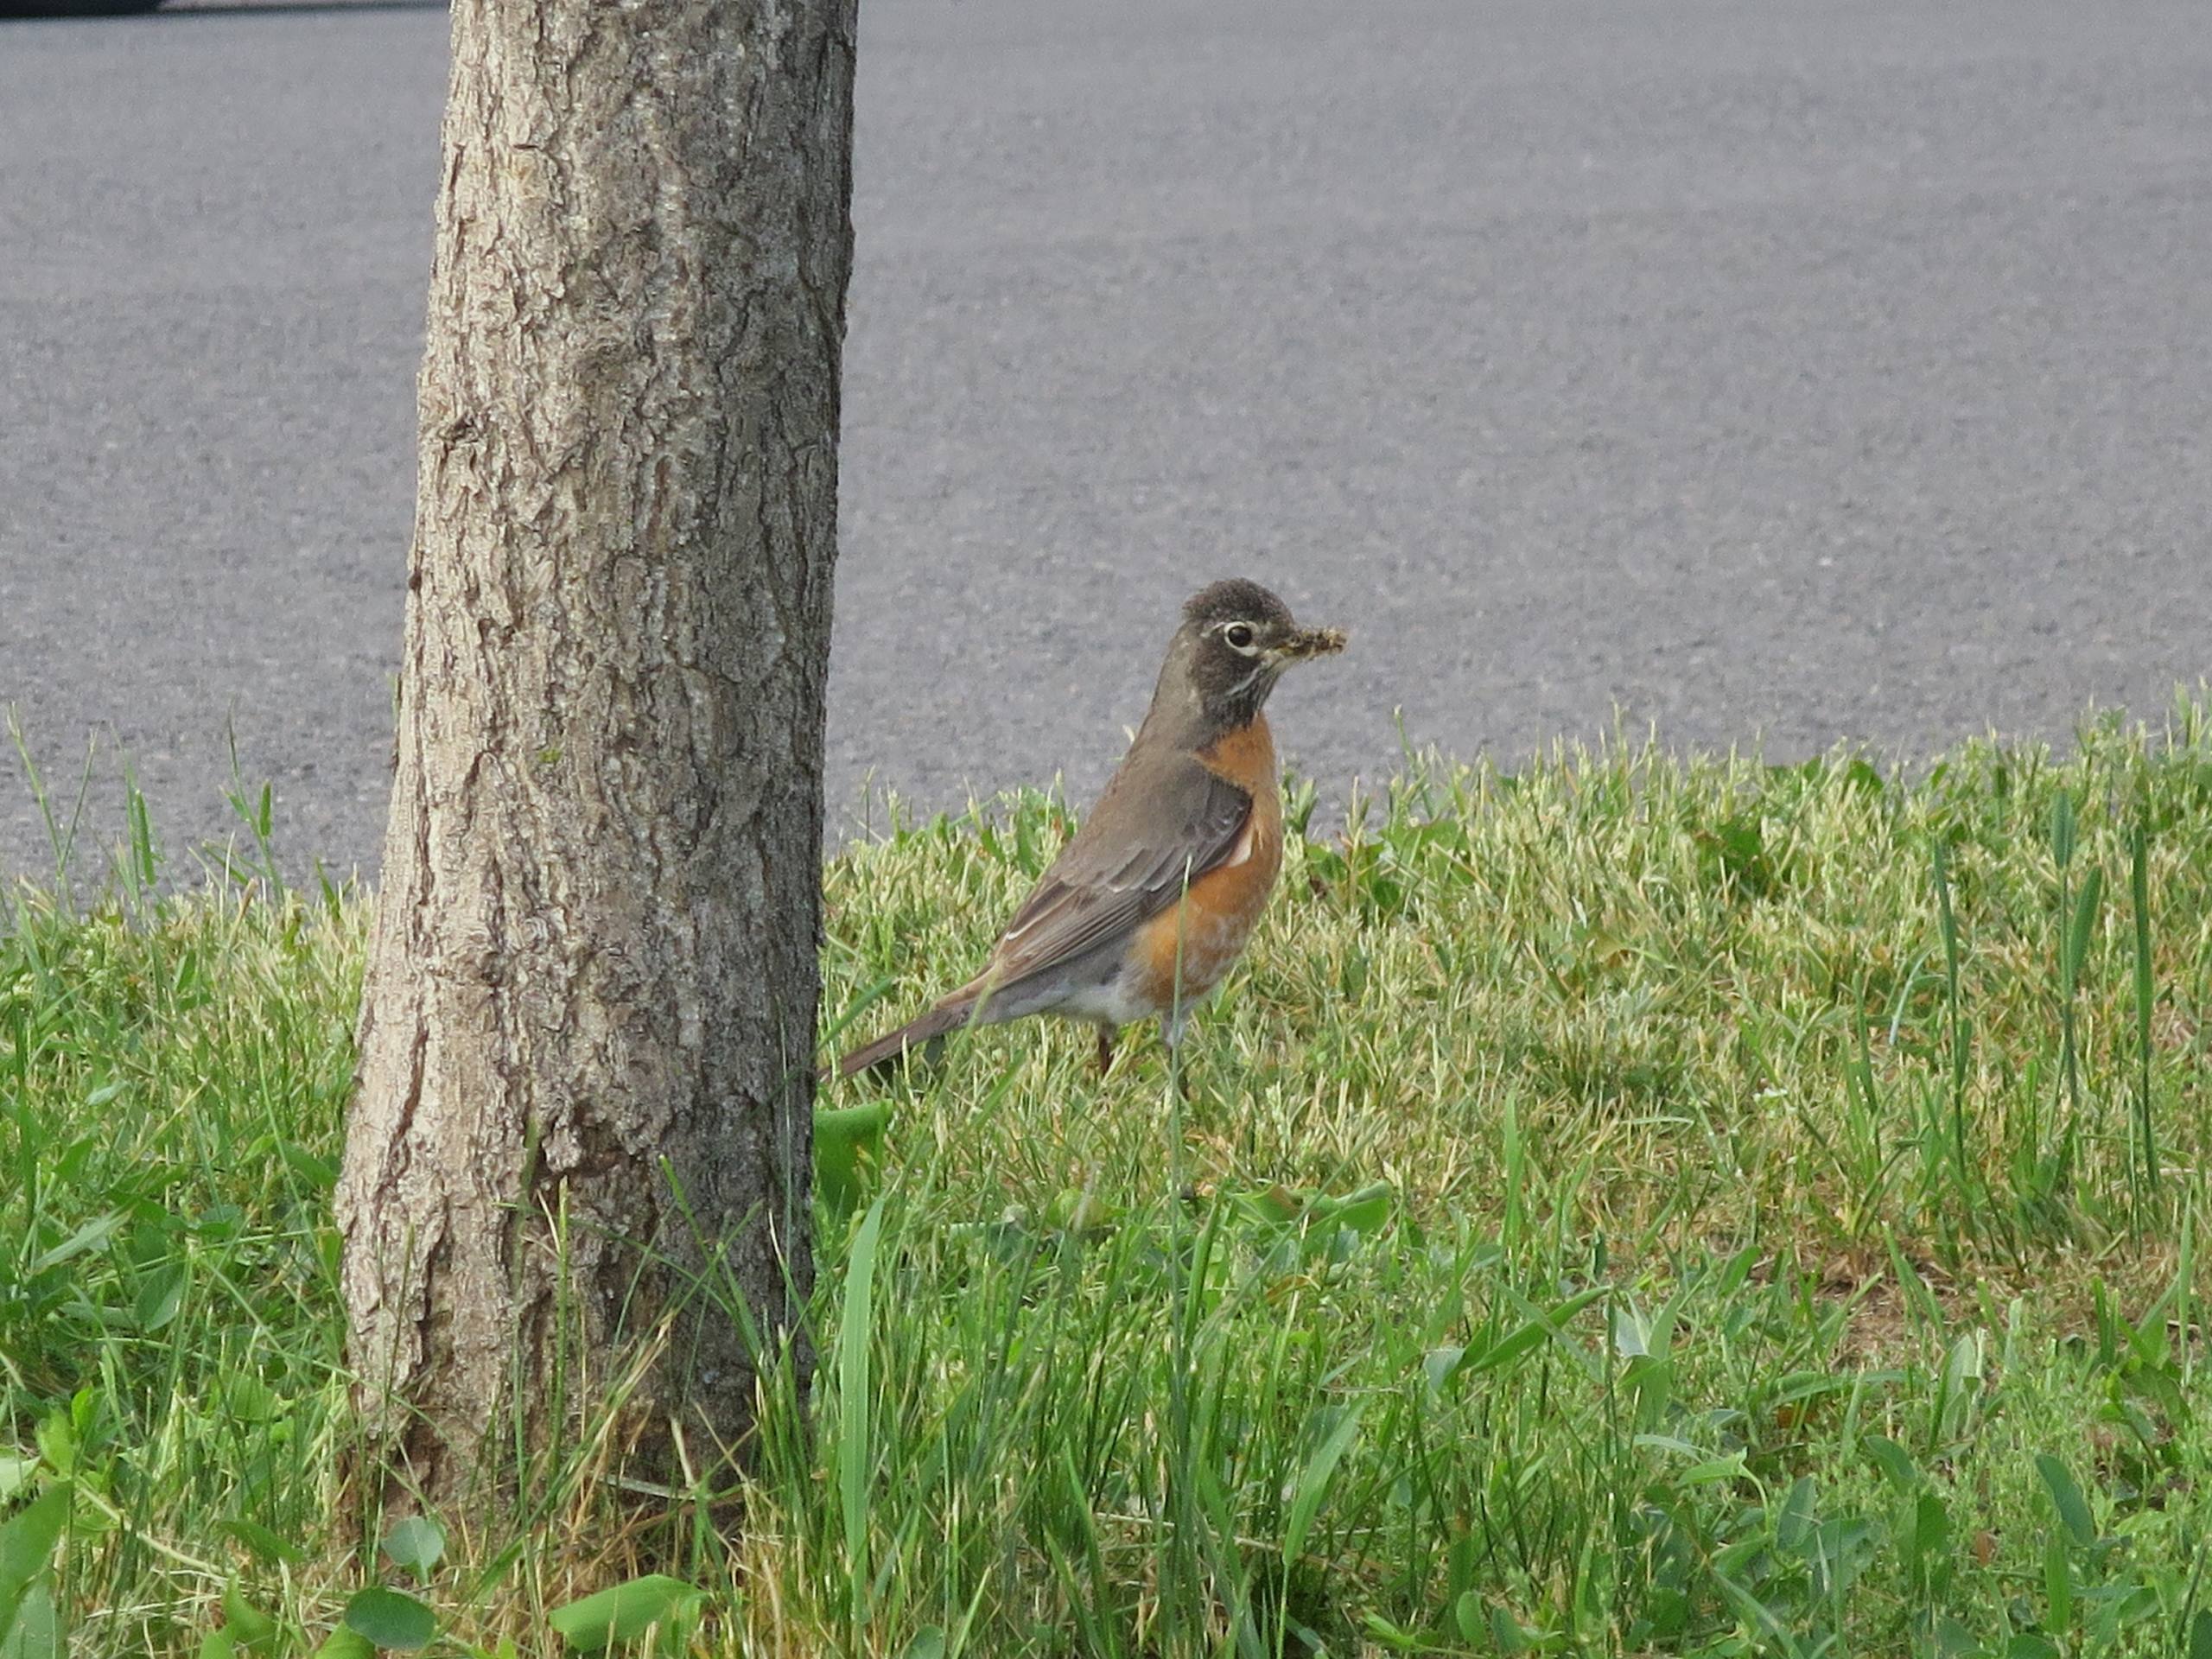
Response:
column 582, row 1117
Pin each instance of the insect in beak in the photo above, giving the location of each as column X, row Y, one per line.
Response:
column 1296, row 647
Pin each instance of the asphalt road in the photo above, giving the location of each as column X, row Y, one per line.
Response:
column 1756, row 369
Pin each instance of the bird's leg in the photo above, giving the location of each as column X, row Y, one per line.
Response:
column 1105, row 1048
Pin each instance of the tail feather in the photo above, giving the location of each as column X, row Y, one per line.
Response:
column 885, row 1050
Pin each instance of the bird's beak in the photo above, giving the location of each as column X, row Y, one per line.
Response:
column 1303, row 643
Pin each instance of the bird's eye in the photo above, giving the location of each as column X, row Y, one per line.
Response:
column 1238, row 636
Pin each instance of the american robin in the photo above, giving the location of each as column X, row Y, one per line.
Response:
column 1194, row 813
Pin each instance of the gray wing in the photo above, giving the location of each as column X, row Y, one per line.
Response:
column 1155, row 828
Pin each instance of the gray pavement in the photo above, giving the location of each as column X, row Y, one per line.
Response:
column 1758, row 369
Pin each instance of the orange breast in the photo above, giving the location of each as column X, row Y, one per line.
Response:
column 1199, row 940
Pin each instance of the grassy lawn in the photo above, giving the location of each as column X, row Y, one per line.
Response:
column 1635, row 1205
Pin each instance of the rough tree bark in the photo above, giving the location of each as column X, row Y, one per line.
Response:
column 589, row 1016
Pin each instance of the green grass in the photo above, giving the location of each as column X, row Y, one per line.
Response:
column 1636, row 1205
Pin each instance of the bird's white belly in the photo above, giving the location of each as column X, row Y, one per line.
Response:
column 1117, row 1001
column 1121, row 999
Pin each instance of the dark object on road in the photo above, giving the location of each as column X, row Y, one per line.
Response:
column 76, row 8
column 1145, row 909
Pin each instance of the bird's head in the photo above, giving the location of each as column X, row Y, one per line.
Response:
column 1235, row 641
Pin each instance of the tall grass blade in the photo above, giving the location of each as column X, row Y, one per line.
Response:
column 1947, row 917
column 2079, row 925
column 1313, row 1484
column 60, row 837
column 2072, row 1510
column 2138, row 883
column 856, row 1461
column 2084, row 925
column 2061, row 828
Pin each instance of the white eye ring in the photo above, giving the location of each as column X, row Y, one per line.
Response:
column 1239, row 637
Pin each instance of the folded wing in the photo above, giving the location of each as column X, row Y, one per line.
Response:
column 1157, row 829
